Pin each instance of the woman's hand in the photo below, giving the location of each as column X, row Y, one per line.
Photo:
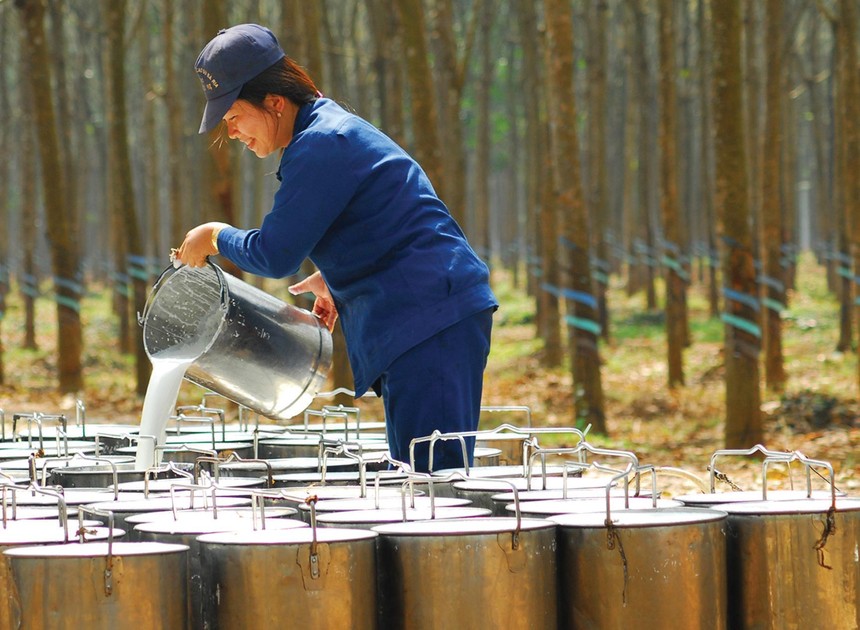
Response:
column 198, row 244
column 324, row 307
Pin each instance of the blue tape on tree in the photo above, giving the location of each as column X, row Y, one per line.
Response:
column 138, row 273
column 741, row 298
column 773, row 305
column 770, row 281
column 741, row 324
column 600, row 277
column 583, row 324
column 71, row 285
column 675, row 266
column 68, row 302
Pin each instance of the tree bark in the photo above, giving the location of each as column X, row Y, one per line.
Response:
column 64, row 260
column 773, row 282
column 600, row 208
column 674, row 272
column 743, row 426
column 850, row 138
column 178, row 221
column 583, row 325
column 424, row 111
column 481, row 232
column 121, row 170
column 539, row 191
column 706, row 161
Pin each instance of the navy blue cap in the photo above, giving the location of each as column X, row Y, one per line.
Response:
column 235, row 56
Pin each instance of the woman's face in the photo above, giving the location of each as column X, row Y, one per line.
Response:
column 255, row 127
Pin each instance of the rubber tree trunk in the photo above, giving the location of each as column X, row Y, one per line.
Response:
column 743, row 427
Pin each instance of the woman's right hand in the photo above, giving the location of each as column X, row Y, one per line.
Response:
column 198, row 245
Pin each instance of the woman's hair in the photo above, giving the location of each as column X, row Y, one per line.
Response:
column 285, row 78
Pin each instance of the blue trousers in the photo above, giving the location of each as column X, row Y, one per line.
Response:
column 437, row 386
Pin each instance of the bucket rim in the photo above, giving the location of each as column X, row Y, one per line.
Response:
column 169, row 272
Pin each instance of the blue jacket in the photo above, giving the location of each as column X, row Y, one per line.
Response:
column 397, row 264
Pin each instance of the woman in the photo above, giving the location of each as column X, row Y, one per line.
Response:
column 413, row 298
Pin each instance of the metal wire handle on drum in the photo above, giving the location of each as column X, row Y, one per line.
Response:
column 808, row 467
column 758, row 448
column 108, row 574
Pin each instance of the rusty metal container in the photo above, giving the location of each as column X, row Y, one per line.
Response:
column 468, row 573
column 663, row 568
column 302, row 578
column 794, row 564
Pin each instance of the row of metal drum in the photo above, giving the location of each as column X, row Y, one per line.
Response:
column 584, row 549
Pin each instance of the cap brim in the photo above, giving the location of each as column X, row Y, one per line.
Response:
column 215, row 109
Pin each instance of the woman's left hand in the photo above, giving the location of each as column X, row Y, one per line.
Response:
column 198, row 245
column 324, row 307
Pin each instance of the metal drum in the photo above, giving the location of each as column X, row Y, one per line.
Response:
column 650, row 569
column 123, row 509
column 481, row 491
column 794, row 564
column 552, row 507
column 304, row 578
column 469, row 573
column 246, row 345
column 97, row 586
column 185, row 531
column 367, row 519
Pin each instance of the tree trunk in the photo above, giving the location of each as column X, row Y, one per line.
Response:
column 583, row 325
column 672, row 255
column 706, row 163
column 121, row 170
column 65, row 263
column 5, row 205
column 647, row 251
column 850, row 137
column 174, row 107
column 842, row 191
column 424, row 127
column 541, row 211
column 218, row 175
column 481, row 232
column 450, row 78
column 383, row 24
column 600, row 210
column 773, row 280
column 742, row 334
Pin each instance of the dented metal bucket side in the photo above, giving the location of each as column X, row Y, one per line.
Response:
column 268, row 586
column 146, row 591
column 469, row 581
column 779, row 578
column 655, row 577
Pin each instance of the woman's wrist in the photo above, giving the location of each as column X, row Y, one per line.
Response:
column 215, row 232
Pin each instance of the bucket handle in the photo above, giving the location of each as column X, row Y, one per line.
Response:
column 809, row 465
column 108, row 574
column 57, row 493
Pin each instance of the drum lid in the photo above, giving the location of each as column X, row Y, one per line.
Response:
column 97, row 549
column 461, row 527
column 301, row 536
column 667, row 517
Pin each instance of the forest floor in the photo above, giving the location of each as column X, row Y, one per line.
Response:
column 816, row 414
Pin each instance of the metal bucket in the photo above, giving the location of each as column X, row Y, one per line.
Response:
column 246, row 345
column 102, row 586
column 650, row 568
column 794, row 564
column 300, row 578
column 469, row 573
column 185, row 532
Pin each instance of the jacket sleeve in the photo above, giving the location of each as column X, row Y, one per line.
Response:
column 317, row 183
